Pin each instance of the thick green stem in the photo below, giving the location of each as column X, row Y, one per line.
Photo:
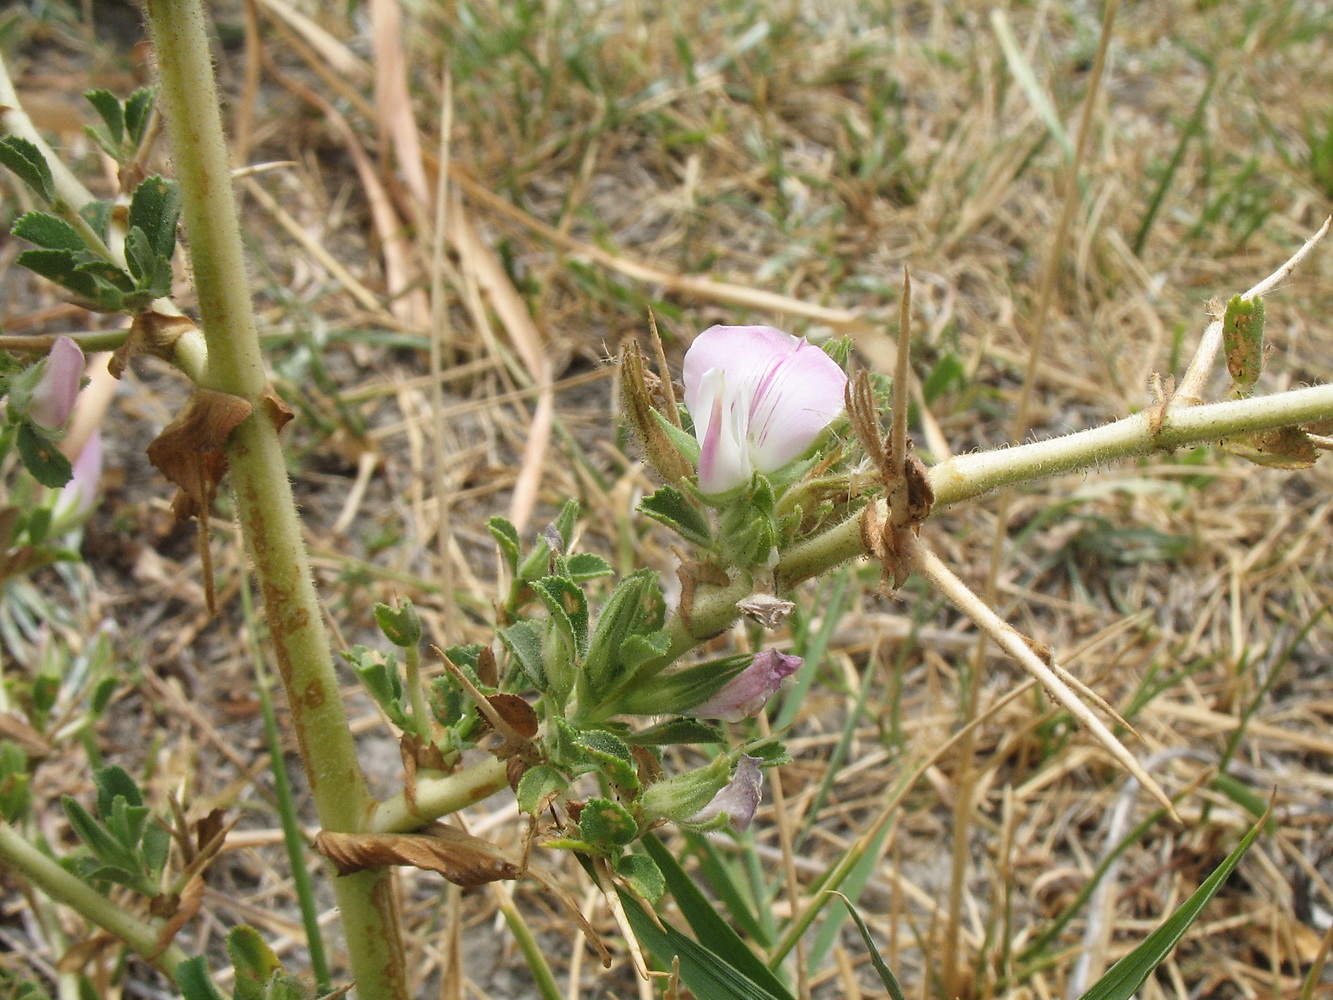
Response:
column 266, row 508
column 48, row 876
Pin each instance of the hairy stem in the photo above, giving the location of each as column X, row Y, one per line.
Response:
column 266, row 508
column 47, row 875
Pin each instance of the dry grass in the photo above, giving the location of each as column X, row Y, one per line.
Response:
column 779, row 163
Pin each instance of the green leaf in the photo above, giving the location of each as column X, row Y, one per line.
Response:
column 643, row 875
column 42, row 458
column 61, row 266
column 886, row 975
column 194, row 982
column 1243, row 340
column 112, row 113
column 568, row 607
column 564, row 523
column 669, row 506
column 401, row 625
column 707, row 924
column 254, row 962
column 26, row 160
column 1123, row 979
column 587, row 566
column 138, row 107
column 48, row 232
column 95, row 837
column 523, row 639
column 676, row 731
column 621, row 613
column 613, row 755
column 704, row 972
column 607, row 824
column 98, row 215
column 155, row 208
column 15, row 793
column 506, row 538
column 537, row 785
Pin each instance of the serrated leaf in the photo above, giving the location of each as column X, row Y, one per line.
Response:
column 612, row 755
column 98, row 215
column 42, row 458
column 254, row 962
column 523, row 639
column 28, row 163
column 669, row 506
column 60, row 266
column 537, row 786
column 607, row 824
column 587, row 566
column 643, row 876
column 1123, row 979
column 567, row 606
column 112, row 113
column 138, row 107
column 194, row 982
column 506, row 538
column 676, row 731
column 155, row 208
column 48, row 232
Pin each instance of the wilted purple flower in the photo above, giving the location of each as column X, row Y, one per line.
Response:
column 57, row 386
column 739, row 797
column 759, row 398
column 748, row 692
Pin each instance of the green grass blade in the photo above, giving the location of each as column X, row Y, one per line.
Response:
column 854, row 884
column 885, row 974
column 737, row 898
column 706, row 973
column 1124, row 978
column 707, row 923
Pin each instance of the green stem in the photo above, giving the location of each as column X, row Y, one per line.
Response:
column 57, row 883
column 266, row 508
column 967, row 476
column 433, row 797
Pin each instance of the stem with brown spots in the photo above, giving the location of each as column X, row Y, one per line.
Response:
column 266, row 507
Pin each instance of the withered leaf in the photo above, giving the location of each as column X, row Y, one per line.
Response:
column 516, row 713
column 276, row 409
column 178, row 910
column 461, row 858
column 1281, row 448
column 191, row 452
column 152, row 333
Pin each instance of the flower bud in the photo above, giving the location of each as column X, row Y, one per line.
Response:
column 739, row 798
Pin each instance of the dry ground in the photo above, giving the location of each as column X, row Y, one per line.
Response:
column 780, row 163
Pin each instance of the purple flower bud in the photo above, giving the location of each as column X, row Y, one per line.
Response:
column 748, row 692
column 57, row 386
column 759, row 398
column 739, row 797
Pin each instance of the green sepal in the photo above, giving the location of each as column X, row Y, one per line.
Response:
column 621, row 615
column 42, row 458
column 607, row 824
column 26, row 160
column 642, row 875
column 671, row 507
column 683, row 440
column 674, row 731
column 537, row 786
column 612, row 755
column 677, row 692
column 506, row 539
column 48, row 231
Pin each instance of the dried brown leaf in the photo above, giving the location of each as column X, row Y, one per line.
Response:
column 460, row 857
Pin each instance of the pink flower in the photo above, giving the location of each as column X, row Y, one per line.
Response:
column 76, row 496
column 57, row 385
column 759, row 398
column 748, row 692
column 738, row 798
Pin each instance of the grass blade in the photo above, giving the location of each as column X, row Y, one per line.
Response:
column 885, row 974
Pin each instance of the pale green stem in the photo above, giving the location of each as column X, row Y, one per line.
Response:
column 57, row 883
column 417, row 694
column 966, row 476
column 434, row 797
column 265, row 505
